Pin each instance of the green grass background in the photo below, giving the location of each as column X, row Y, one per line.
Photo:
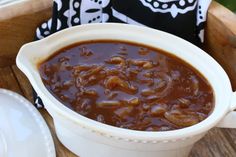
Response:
column 231, row 4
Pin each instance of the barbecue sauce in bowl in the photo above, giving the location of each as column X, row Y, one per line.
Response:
column 128, row 85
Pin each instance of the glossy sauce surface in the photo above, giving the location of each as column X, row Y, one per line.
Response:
column 128, row 85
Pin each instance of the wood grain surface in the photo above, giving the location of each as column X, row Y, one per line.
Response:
column 217, row 143
column 18, row 30
column 221, row 38
column 15, row 8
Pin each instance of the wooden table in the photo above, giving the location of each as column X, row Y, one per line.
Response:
column 220, row 37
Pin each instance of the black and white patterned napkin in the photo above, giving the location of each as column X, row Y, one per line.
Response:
column 184, row 18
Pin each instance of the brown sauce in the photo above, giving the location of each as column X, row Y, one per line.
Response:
column 128, row 85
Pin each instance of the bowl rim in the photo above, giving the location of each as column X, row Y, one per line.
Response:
column 116, row 132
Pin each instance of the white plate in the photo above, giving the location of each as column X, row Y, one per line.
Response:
column 23, row 131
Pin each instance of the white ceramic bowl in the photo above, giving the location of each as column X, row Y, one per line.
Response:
column 88, row 138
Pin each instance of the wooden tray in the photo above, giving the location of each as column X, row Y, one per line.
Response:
column 17, row 26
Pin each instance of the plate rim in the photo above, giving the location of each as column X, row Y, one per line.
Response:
column 44, row 129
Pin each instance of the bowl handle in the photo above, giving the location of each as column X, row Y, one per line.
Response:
column 229, row 121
